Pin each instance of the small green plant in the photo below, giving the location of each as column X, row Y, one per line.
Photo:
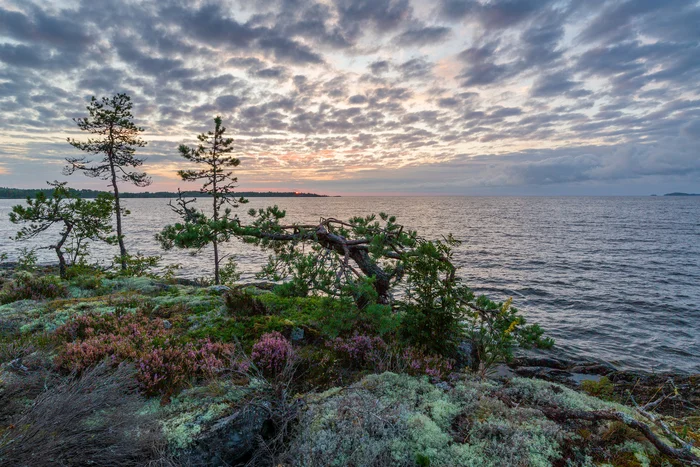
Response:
column 136, row 265
column 229, row 273
column 497, row 329
column 240, row 302
column 602, row 389
column 27, row 259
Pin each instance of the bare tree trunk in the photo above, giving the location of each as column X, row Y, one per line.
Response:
column 216, row 218
column 117, row 203
column 118, row 210
column 59, row 251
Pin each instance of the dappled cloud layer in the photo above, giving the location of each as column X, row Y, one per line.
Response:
column 372, row 96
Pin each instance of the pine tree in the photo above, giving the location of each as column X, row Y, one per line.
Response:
column 80, row 220
column 117, row 137
column 199, row 229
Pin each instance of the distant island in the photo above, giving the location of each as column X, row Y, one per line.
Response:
column 682, row 194
column 21, row 193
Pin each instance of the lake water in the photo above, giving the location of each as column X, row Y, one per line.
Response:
column 614, row 279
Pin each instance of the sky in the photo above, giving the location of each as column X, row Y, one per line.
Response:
column 368, row 97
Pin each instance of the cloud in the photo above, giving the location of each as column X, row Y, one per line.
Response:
column 497, row 14
column 691, row 130
column 473, row 94
column 423, row 36
column 555, row 84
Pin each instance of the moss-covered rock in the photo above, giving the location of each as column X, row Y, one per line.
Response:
column 392, row 419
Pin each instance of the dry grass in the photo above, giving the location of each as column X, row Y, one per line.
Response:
column 91, row 420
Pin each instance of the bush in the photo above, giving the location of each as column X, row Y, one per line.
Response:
column 240, row 302
column 96, row 419
column 603, row 388
column 163, row 370
column 497, row 329
column 272, row 354
column 163, row 362
column 434, row 306
column 26, row 286
column 363, row 352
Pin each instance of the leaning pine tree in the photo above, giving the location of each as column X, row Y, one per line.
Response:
column 116, row 139
column 199, row 229
column 80, row 220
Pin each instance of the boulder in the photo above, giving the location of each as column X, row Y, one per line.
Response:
column 230, row 440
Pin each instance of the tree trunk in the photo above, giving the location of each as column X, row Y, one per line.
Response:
column 216, row 262
column 120, row 236
column 117, row 203
column 371, row 269
column 216, row 218
column 59, row 251
column 118, row 211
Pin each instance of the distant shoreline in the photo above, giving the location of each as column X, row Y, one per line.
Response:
column 682, row 194
column 22, row 193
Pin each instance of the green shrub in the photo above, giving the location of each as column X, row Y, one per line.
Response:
column 603, row 388
column 241, row 302
column 27, row 259
column 497, row 329
column 26, row 286
column 87, row 281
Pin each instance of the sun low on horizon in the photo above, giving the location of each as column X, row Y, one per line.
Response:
column 368, row 97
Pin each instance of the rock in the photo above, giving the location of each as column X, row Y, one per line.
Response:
column 17, row 366
column 594, row 368
column 219, row 288
column 230, row 440
column 548, row 374
column 167, row 324
column 297, row 335
column 546, row 362
column 467, row 356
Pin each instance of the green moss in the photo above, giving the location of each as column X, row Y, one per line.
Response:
column 539, row 392
column 140, row 284
column 188, row 415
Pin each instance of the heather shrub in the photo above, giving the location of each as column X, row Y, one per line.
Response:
column 26, row 286
column 272, row 353
column 363, row 352
column 164, row 363
column 165, row 369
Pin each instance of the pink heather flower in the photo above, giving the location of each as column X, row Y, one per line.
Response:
column 272, row 353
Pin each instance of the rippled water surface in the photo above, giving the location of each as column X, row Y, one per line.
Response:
column 616, row 279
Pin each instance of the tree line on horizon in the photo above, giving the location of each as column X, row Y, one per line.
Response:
column 85, row 193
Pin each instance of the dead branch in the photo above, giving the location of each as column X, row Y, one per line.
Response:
column 561, row 415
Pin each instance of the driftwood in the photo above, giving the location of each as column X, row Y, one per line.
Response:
column 560, row 415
